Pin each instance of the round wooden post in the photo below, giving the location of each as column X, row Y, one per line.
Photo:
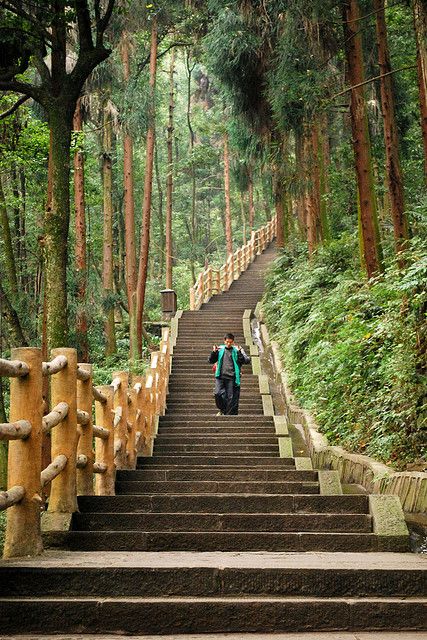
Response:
column 134, row 419
column 85, row 447
column 63, row 388
column 121, row 404
column 104, row 449
column 192, row 299
column 23, row 536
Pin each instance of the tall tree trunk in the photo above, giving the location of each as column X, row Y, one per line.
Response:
column 169, row 182
column 80, row 247
column 193, row 223
column 300, row 180
column 243, row 217
column 11, row 317
column 160, row 212
column 361, row 140
column 129, row 214
column 107, row 257
column 148, row 185
column 324, row 160
column 56, row 224
column 9, row 258
column 420, row 23
column 228, row 229
column 391, row 137
column 251, row 198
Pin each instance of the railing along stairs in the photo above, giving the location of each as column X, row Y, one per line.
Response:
column 212, row 281
column 126, row 419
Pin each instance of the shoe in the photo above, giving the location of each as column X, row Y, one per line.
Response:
column 220, row 413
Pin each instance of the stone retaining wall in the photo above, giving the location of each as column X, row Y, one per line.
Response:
column 375, row 477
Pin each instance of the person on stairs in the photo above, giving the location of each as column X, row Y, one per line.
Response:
column 228, row 360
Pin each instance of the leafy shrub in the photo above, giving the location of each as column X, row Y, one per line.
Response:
column 356, row 350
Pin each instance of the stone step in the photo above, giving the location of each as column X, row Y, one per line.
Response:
column 233, row 522
column 215, row 431
column 214, row 541
column 189, row 411
column 206, row 461
column 166, row 615
column 248, row 474
column 167, row 439
column 225, row 502
column 136, row 487
column 218, row 450
column 215, row 574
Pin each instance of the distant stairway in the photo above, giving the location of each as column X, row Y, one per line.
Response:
column 216, row 484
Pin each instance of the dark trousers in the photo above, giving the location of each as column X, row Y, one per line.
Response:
column 227, row 394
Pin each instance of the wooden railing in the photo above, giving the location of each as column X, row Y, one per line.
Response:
column 126, row 420
column 212, row 281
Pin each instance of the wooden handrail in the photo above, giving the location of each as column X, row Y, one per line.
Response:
column 207, row 284
column 126, row 416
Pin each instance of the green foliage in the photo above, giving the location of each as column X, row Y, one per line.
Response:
column 355, row 351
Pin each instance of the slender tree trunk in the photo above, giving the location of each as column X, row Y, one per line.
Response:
column 311, row 204
column 162, row 241
column 361, row 140
column 148, row 185
column 169, row 182
column 11, row 317
column 420, row 23
column 9, row 258
column 243, row 217
column 391, row 137
column 315, row 191
column 251, row 198
column 300, row 179
column 80, row 247
column 193, row 223
column 56, row 224
column 129, row 214
column 324, row 160
column 107, row 258
column 228, row 229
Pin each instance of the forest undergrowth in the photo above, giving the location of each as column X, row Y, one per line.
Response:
column 355, row 351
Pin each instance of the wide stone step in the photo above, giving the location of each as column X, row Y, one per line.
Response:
column 167, row 439
column 165, row 615
column 225, row 502
column 207, row 431
column 216, row 451
column 248, row 474
column 215, row 574
column 239, row 461
column 271, row 522
column 213, row 541
column 209, row 486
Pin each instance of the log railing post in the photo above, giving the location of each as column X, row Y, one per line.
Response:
column 63, row 388
column 84, row 447
column 133, row 420
column 192, row 299
column 23, row 537
column 121, row 417
column 104, row 448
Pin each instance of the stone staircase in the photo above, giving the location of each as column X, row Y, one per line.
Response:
column 173, row 551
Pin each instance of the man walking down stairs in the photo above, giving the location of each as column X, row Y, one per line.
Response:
column 220, row 530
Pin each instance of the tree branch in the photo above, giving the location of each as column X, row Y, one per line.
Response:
column 22, row 87
column 361, row 84
column 161, row 54
column 102, row 23
column 17, row 10
column 16, row 106
column 84, row 26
